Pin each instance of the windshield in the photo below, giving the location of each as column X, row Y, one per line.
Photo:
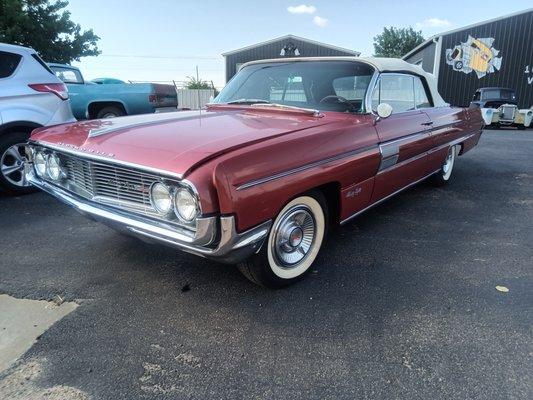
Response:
column 322, row 85
column 502, row 94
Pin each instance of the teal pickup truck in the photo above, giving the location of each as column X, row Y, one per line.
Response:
column 90, row 100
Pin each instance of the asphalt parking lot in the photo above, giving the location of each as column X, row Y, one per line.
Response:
column 400, row 304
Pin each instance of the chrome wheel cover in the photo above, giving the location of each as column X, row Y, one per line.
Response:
column 294, row 236
column 448, row 164
column 12, row 165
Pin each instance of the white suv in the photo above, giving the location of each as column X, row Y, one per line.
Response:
column 31, row 96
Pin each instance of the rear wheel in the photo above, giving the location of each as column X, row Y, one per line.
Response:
column 110, row 112
column 12, row 163
column 293, row 243
column 445, row 173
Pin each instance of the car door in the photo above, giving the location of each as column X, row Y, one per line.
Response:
column 404, row 136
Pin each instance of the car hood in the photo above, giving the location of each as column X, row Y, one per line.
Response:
column 175, row 142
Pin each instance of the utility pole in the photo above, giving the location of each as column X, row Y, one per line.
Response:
column 198, row 87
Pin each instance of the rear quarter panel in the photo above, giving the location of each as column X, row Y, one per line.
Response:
column 449, row 124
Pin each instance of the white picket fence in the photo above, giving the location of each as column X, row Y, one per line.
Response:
column 194, row 98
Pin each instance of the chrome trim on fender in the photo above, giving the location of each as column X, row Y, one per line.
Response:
column 304, row 167
column 107, row 160
column 386, row 198
column 390, row 151
column 215, row 238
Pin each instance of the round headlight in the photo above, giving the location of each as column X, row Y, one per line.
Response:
column 161, row 198
column 39, row 162
column 185, row 204
column 53, row 167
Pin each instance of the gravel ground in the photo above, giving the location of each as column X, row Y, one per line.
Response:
column 401, row 303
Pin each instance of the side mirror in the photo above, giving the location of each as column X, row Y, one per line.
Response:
column 384, row 110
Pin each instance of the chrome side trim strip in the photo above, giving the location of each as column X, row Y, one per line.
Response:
column 452, row 143
column 390, row 150
column 107, row 160
column 390, row 157
column 386, row 198
column 283, row 174
column 404, row 162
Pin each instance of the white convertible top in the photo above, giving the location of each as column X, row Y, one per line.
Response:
column 381, row 64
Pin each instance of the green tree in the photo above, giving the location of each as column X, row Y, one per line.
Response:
column 46, row 27
column 193, row 83
column 396, row 42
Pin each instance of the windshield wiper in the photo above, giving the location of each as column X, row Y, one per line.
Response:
column 288, row 108
column 249, row 101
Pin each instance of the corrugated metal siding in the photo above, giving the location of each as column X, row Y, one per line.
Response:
column 514, row 39
column 272, row 50
column 188, row 98
column 427, row 55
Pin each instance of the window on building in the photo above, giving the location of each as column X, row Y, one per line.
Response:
column 8, row 63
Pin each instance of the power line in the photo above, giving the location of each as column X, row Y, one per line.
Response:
column 162, row 57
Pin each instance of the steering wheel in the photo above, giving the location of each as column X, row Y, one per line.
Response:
column 337, row 99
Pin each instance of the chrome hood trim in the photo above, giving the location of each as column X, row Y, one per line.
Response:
column 105, row 159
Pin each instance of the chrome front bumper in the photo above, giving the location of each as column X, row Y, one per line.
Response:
column 215, row 238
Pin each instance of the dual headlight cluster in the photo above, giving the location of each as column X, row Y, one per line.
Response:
column 177, row 200
column 167, row 199
column 48, row 166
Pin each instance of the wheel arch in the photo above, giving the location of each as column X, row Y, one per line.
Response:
column 95, row 106
column 332, row 194
column 19, row 126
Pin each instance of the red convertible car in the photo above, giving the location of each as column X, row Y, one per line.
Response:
column 288, row 148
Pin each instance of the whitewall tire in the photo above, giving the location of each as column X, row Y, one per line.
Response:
column 444, row 175
column 293, row 243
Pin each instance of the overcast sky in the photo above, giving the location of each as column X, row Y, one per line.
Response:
column 164, row 40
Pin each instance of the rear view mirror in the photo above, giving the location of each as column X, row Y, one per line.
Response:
column 384, row 110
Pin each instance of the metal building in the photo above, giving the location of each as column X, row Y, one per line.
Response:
column 498, row 52
column 285, row 46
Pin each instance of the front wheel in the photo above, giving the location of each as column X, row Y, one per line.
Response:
column 443, row 176
column 293, row 243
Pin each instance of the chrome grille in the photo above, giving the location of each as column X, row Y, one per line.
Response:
column 508, row 112
column 109, row 184
column 79, row 173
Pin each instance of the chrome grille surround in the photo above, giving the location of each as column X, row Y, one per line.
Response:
column 508, row 112
column 112, row 184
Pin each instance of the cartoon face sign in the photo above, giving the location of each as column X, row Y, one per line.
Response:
column 476, row 55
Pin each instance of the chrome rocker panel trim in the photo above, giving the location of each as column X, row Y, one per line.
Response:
column 231, row 248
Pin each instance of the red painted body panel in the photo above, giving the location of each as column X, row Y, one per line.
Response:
column 177, row 142
column 411, row 131
column 250, row 162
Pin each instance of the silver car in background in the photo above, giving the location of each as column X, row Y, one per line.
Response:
column 31, row 96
